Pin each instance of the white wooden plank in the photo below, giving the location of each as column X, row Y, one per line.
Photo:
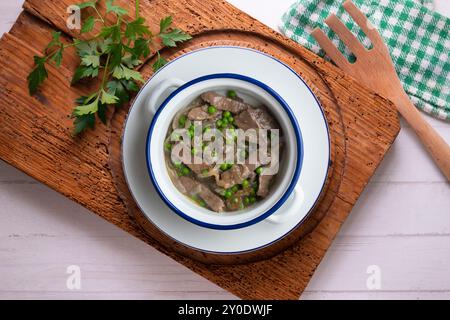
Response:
column 376, row 295
column 108, row 264
column 9, row 174
column 406, row 264
column 9, row 11
column 407, row 160
column 34, row 209
column 267, row 11
column 108, row 295
column 401, row 209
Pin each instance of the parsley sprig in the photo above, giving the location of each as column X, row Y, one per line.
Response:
column 112, row 55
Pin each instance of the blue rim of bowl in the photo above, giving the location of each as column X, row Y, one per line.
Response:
column 297, row 170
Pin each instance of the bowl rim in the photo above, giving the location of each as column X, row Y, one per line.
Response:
column 297, row 170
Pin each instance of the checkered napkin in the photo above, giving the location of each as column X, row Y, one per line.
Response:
column 417, row 37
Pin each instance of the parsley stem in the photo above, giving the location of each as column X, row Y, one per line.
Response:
column 68, row 45
column 137, row 8
column 99, row 15
column 106, row 73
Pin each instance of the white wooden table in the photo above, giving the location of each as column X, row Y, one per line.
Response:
column 401, row 224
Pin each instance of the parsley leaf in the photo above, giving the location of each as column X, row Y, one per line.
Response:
column 115, row 50
column 55, row 42
column 86, row 109
column 136, row 28
column 171, row 38
column 101, row 113
column 122, row 72
column 85, row 48
column 110, row 7
column 108, row 98
column 141, row 48
column 116, row 88
column 91, row 60
column 88, row 25
column 112, row 32
column 130, row 61
column 81, row 123
column 159, row 63
column 38, row 75
column 84, row 72
column 58, row 56
column 164, row 24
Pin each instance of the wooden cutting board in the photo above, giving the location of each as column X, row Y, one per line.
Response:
column 35, row 134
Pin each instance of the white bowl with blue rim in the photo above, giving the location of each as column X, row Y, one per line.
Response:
column 253, row 92
column 258, row 78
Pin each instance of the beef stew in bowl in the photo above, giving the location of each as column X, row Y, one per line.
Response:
column 223, row 153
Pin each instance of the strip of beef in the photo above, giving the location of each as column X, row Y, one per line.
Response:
column 234, row 176
column 201, row 114
column 212, row 200
column 198, row 168
column 191, row 187
column 264, row 185
column 195, row 188
column 224, row 103
column 255, row 118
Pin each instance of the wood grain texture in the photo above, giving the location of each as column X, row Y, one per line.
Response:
column 36, row 144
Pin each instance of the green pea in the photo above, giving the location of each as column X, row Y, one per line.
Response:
column 185, row 171
column 245, row 184
column 227, row 114
column 230, row 119
column 219, row 123
column 259, row 170
column 182, row 120
column 246, row 201
column 228, row 194
column 178, row 165
column 235, row 188
column 224, row 167
column 224, row 121
column 212, row 109
column 205, row 172
column 252, row 199
column 231, row 94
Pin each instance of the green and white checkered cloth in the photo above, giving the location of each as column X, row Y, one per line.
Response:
column 417, row 37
